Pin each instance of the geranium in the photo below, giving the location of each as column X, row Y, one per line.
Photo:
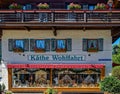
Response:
column 74, row 6
column 15, row 6
column 43, row 6
column 100, row 6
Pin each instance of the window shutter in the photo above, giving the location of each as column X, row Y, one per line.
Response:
column 32, row 44
column 10, row 44
column 47, row 44
column 69, row 44
column 26, row 44
column 84, row 45
column 53, row 44
column 100, row 44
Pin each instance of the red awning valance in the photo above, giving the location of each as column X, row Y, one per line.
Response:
column 55, row 65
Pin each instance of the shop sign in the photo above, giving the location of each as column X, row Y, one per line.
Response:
column 56, row 57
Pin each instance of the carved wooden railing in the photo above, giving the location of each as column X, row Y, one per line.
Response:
column 51, row 16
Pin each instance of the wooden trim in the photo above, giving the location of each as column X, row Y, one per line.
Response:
column 102, row 73
column 65, row 89
column 9, row 78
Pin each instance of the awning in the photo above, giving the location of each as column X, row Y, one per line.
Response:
column 55, row 65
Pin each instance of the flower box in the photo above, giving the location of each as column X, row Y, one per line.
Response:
column 43, row 6
column 60, row 50
column 74, row 6
column 15, row 6
column 18, row 50
column 100, row 6
column 38, row 50
column 92, row 50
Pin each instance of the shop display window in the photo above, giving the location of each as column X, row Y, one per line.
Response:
column 30, row 78
column 55, row 77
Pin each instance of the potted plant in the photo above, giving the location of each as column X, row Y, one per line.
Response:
column 74, row 6
column 50, row 91
column 15, row 6
column 43, row 6
column 8, row 92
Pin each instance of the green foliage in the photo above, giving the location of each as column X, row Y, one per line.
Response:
column 2, row 87
column 8, row 92
column 110, row 84
column 51, row 91
column 116, row 72
column 116, row 54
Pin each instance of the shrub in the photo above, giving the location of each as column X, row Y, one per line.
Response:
column 110, row 84
column 116, row 72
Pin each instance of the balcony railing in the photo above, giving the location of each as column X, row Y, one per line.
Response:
column 51, row 16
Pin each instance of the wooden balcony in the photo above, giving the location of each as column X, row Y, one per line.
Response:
column 61, row 19
column 58, row 18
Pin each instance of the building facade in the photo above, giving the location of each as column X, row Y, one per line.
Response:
column 69, row 50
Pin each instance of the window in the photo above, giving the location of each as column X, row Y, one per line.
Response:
column 61, row 45
column 40, row 45
column 37, row 77
column 93, row 45
column 18, row 45
column 30, row 78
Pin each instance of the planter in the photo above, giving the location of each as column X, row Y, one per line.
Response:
column 60, row 50
column 92, row 50
column 38, row 50
column 16, row 50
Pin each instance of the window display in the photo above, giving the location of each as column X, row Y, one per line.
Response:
column 56, row 78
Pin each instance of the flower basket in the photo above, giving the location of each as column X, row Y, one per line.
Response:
column 43, row 6
column 18, row 50
column 92, row 50
column 74, row 6
column 38, row 50
column 60, row 50
column 15, row 6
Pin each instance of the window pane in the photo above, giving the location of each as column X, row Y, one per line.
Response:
column 40, row 44
column 92, row 43
column 19, row 43
column 61, row 44
column 30, row 78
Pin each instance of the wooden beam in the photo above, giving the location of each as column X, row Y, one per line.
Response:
column 54, row 31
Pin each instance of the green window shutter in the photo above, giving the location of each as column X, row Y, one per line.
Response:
column 32, row 44
column 10, row 44
column 69, row 44
column 53, row 44
column 47, row 44
column 100, row 44
column 26, row 44
column 84, row 47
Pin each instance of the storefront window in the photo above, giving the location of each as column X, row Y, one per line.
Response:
column 76, row 77
column 30, row 78
column 56, row 78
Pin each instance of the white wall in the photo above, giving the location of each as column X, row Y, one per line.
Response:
column 76, row 35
